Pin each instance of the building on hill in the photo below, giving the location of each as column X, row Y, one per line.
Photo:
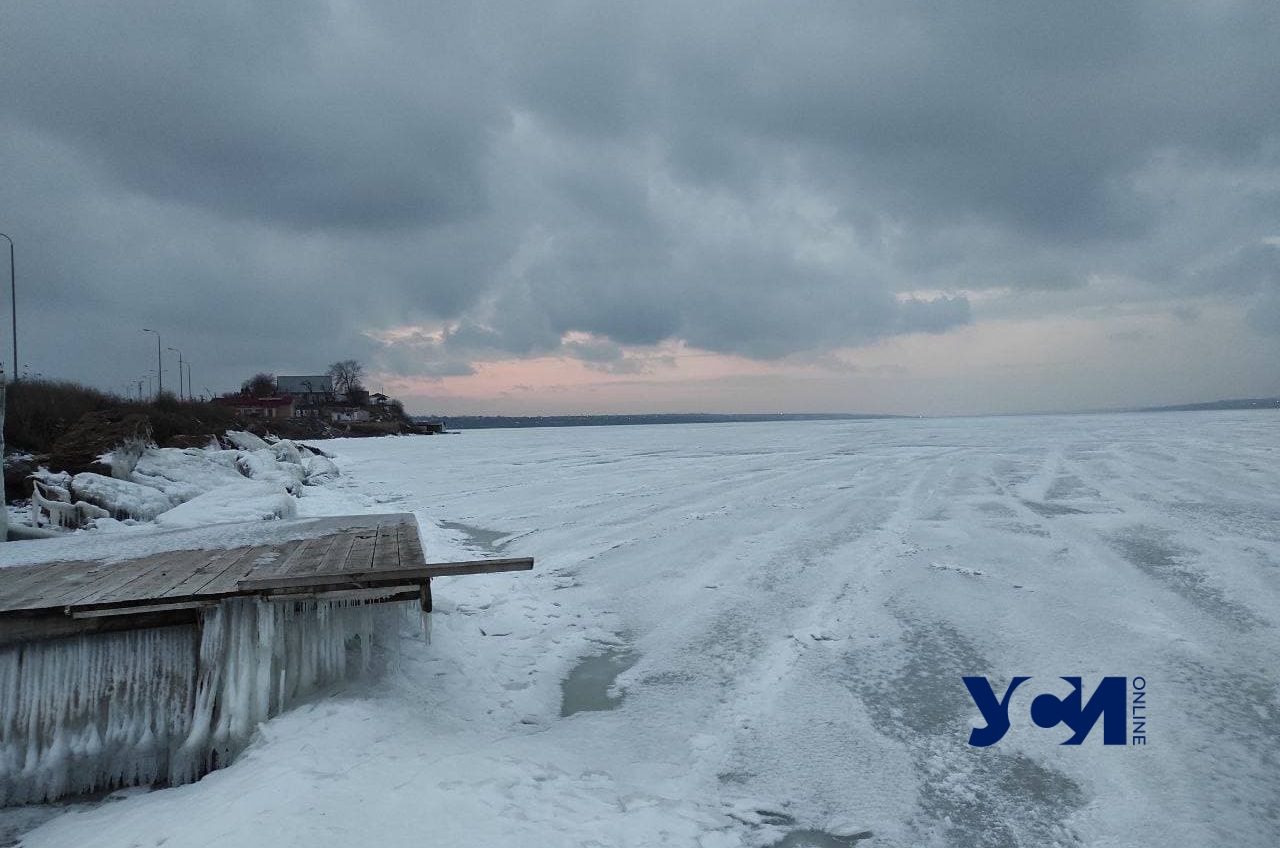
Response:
column 348, row 413
column 248, row 406
column 307, row 390
column 312, row 393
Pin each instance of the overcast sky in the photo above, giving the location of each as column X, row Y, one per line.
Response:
column 581, row 207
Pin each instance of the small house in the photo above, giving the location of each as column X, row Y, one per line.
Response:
column 248, row 406
column 348, row 413
column 309, row 391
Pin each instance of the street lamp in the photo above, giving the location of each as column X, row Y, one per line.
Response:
column 13, row 297
column 175, row 350
column 159, row 363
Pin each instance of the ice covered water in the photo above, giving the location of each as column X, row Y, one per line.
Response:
column 806, row 597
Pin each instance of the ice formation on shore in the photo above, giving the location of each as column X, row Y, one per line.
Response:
column 168, row 704
column 254, row 479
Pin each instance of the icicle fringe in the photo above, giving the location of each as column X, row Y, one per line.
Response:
column 167, row 705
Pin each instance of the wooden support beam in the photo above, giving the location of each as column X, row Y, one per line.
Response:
column 370, row 578
column 138, row 609
column 20, row 629
column 386, row 594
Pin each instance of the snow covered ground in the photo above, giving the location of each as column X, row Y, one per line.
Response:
column 789, row 609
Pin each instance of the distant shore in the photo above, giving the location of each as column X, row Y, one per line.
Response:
column 487, row 422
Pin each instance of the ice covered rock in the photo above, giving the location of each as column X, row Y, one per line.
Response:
column 52, row 503
column 286, row 451
column 247, row 500
column 245, row 440
column 262, row 465
column 120, row 498
column 319, row 469
column 184, row 473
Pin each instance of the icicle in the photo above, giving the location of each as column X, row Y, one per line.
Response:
column 169, row 704
column 92, row 712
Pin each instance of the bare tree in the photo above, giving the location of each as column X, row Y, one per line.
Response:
column 260, row 385
column 347, row 375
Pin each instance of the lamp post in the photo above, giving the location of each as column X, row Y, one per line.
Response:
column 13, row 301
column 175, row 350
column 159, row 364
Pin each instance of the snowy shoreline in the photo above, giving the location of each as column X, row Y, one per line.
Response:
column 173, row 488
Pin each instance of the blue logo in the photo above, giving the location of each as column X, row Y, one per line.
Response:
column 1119, row 702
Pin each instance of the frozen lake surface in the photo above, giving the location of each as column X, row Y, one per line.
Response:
column 785, row 612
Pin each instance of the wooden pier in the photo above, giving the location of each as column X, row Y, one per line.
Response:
column 378, row 558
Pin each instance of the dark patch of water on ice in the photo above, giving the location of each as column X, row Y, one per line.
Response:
column 481, row 538
column 1052, row 510
column 1152, row 550
column 586, row 689
column 819, row 839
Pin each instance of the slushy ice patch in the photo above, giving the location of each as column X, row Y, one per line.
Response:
column 588, row 686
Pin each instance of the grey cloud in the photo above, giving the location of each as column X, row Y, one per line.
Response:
column 276, row 184
column 1264, row 316
column 288, row 113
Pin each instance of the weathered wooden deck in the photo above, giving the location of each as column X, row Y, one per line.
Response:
column 378, row 557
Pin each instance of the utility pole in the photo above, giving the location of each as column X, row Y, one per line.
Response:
column 159, row 364
column 189, row 392
column 13, row 300
column 175, row 350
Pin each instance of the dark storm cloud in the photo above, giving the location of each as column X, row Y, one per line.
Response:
column 280, row 184
column 289, row 113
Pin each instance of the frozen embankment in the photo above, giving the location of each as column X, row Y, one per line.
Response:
column 166, row 704
column 183, row 487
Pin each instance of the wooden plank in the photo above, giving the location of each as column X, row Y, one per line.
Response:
column 361, row 555
column 150, row 581
column 370, row 577
column 410, row 543
column 336, row 556
column 199, row 563
column 281, row 558
column 218, row 564
column 386, row 551
column 309, row 558
column 225, row 583
column 35, row 587
column 346, row 553
column 117, row 577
